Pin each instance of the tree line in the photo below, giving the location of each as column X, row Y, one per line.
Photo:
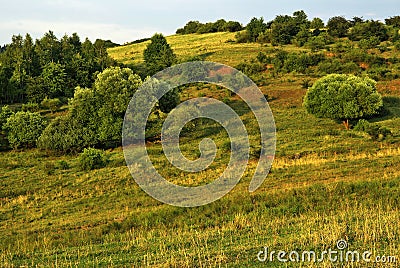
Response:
column 31, row 71
column 298, row 29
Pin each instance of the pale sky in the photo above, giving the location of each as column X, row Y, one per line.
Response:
column 124, row 21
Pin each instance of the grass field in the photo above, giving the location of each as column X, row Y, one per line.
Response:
column 326, row 184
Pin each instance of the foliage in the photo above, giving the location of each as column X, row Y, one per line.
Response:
column 255, row 27
column 5, row 113
column 30, row 107
column 65, row 134
column 49, row 66
column 91, row 159
column 371, row 42
column 51, row 104
column 367, row 30
column 95, row 115
column 210, row 27
column 375, row 131
column 158, row 54
column 317, row 23
column 338, row 26
column 343, row 97
column 24, row 128
column 393, row 21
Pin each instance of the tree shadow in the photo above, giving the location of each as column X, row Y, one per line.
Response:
column 391, row 109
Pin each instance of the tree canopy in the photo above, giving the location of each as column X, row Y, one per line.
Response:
column 158, row 55
column 344, row 97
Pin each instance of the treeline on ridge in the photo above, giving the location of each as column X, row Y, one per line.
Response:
column 31, row 71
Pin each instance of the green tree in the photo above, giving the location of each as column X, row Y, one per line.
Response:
column 393, row 21
column 368, row 30
column 255, row 27
column 54, row 80
column 232, row 26
column 317, row 23
column 24, row 128
column 158, row 54
column 115, row 87
column 343, row 97
column 338, row 26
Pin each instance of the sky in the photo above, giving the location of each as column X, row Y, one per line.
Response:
column 123, row 21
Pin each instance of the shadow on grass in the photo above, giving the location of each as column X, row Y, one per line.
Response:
column 391, row 109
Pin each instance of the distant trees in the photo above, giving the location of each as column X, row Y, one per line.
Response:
column 158, row 54
column 343, row 97
column 49, row 67
column 210, row 27
column 393, row 21
column 367, row 30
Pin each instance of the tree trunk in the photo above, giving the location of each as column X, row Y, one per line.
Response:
column 346, row 124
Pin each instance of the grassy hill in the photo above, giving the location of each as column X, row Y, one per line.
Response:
column 326, row 184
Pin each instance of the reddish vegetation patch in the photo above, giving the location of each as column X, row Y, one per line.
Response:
column 221, row 71
column 364, row 65
column 330, row 54
column 291, row 97
column 389, row 87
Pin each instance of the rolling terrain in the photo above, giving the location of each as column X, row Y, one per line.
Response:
column 326, row 184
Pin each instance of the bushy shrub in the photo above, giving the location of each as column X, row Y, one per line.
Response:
column 374, row 130
column 91, row 158
column 242, row 37
column 250, row 68
column 5, row 113
column 362, row 125
column 368, row 43
column 51, row 104
column 24, row 128
column 30, row 107
column 397, row 45
column 66, row 134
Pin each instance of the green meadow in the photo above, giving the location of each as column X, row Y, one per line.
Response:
column 326, row 184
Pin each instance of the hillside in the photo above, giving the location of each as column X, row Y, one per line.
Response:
column 217, row 47
column 326, row 184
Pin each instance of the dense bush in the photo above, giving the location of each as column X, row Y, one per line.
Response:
column 24, row 128
column 51, row 104
column 375, row 131
column 5, row 113
column 91, row 158
column 343, row 97
column 66, row 134
column 30, row 107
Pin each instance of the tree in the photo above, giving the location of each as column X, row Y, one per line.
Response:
column 115, row 87
column 189, row 28
column 338, row 26
column 368, row 30
column 232, row 26
column 343, row 97
column 255, row 27
column 393, row 21
column 54, row 80
column 317, row 23
column 158, row 55
column 24, row 128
